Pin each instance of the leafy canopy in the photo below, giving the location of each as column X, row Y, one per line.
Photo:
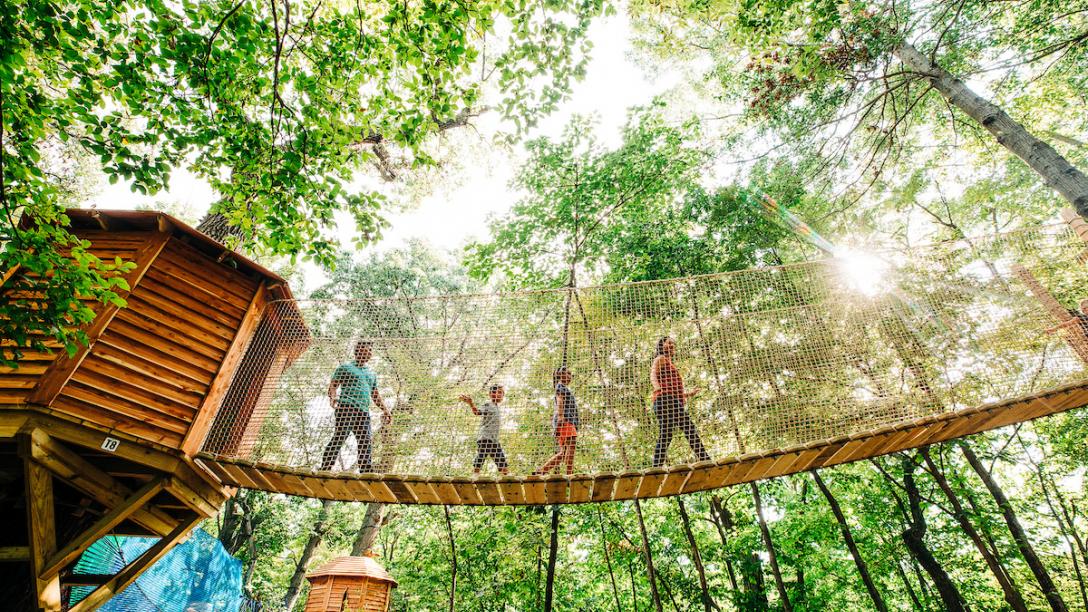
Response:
column 275, row 104
column 583, row 201
column 823, row 79
column 640, row 211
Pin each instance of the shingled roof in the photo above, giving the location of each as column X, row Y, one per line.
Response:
column 365, row 567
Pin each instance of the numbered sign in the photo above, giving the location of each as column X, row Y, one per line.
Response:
column 110, row 444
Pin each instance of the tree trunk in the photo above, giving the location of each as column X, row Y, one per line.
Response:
column 453, row 560
column 769, row 544
column 230, row 522
column 237, row 527
column 1050, row 590
column 368, row 531
column 668, row 591
column 215, row 226
column 608, row 561
column 708, row 601
column 906, row 584
column 1065, row 524
column 1080, row 579
column 553, row 551
column 1062, row 505
column 1012, row 594
column 1058, row 173
column 984, row 526
column 539, row 566
column 317, row 534
column 719, row 515
column 648, row 556
column 800, row 588
column 851, row 545
column 247, row 580
column 923, row 586
column 914, row 538
column 755, row 590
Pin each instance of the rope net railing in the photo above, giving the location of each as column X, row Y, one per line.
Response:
column 782, row 356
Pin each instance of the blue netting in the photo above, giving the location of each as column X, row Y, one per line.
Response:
column 196, row 576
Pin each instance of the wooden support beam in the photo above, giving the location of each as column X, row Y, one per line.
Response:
column 86, row 579
column 41, row 532
column 103, row 526
column 100, row 486
column 91, row 436
column 14, row 554
column 8, row 274
column 1079, row 227
column 205, row 414
column 1076, row 223
column 196, row 501
column 102, row 221
column 1072, row 333
column 203, row 482
column 11, row 422
column 64, row 366
column 131, row 571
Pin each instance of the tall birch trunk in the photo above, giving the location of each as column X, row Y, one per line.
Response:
column 553, row 552
column 696, row 557
column 453, row 560
column 719, row 515
column 368, row 531
column 648, row 556
column 608, row 561
column 914, row 539
column 1056, row 171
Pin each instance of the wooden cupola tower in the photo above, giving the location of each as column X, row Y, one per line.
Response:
column 350, row 584
column 102, row 442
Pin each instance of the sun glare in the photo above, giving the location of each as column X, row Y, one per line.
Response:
column 864, row 272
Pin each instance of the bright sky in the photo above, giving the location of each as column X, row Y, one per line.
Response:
column 453, row 215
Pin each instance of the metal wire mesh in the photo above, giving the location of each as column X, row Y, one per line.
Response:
column 783, row 356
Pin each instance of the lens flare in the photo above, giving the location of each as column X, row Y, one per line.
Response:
column 864, row 272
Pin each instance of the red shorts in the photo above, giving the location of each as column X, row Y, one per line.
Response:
column 565, row 432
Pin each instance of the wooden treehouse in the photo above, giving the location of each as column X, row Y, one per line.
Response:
column 350, row 584
column 101, row 442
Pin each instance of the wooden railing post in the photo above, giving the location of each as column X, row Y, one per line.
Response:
column 41, row 529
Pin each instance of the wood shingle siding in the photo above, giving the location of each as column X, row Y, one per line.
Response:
column 140, row 386
column 16, row 385
column 151, row 367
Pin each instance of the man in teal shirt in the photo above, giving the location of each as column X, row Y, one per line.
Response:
column 358, row 389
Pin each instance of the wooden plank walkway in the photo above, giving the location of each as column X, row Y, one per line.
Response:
column 657, row 482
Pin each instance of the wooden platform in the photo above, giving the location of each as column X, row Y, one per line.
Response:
column 583, row 488
column 80, row 483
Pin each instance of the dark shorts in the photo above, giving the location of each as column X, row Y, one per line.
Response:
column 489, row 448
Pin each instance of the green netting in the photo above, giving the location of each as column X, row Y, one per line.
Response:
column 196, row 576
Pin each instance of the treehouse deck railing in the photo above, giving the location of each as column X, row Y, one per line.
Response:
column 785, row 357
